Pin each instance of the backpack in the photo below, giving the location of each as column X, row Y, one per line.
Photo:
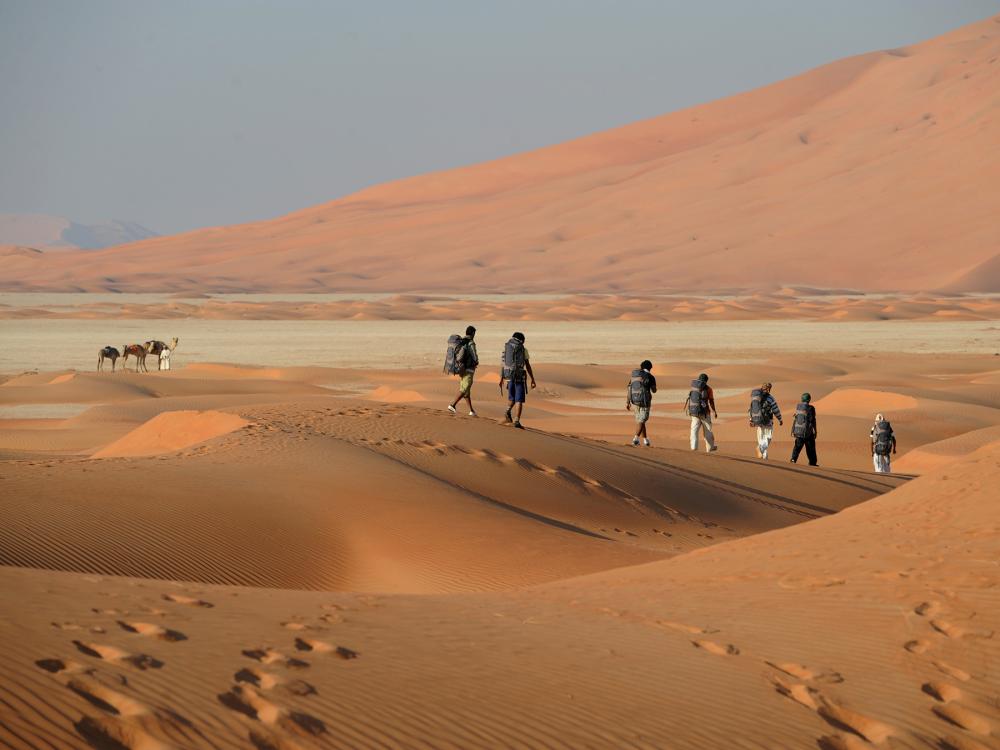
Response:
column 512, row 362
column 802, row 421
column 455, row 355
column 883, row 438
column 698, row 399
column 760, row 408
column 639, row 393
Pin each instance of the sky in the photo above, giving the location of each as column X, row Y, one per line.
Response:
column 193, row 113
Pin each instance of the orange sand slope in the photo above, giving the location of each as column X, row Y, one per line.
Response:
column 171, row 431
column 877, row 169
column 874, row 628
column 335, row 494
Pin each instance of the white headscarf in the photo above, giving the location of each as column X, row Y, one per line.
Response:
column 879, row 418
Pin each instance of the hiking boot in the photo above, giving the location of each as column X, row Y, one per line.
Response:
column 518, row 425
column 635, row 441
column 645, row 442
column 507, row 417
column 452, row 409
column 713, row 449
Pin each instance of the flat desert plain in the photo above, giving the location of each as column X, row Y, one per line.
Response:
column 300, row 557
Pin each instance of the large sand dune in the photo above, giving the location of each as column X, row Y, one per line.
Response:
column 876, row 171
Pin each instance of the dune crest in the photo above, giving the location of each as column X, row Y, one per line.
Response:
column 171, row 431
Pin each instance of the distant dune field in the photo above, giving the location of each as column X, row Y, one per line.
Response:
column 875, row 172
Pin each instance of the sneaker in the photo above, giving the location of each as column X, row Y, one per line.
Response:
column 645, row 442
column 452, row 409
column 713, row 449
column 507, row 417
column 518, row 425
column 473, row 414
column 635, row 441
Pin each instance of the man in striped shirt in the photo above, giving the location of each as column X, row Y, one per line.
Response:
column 769, row 411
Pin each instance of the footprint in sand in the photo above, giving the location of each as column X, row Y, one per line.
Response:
column 247, row 701
column 322, row 647
column 804, row 673
column 125, row 721
column 57, row 666
column 954, row 672
column 112, row 654
column 105, row 698
column 965, row 718
column 154, row 631
column 66, row 626
column 680, row 626
column 717, row 648
column 189, row 601
column 957, row 632
column 917, row 646
column 927, row 609
column 271, row 656
column 263, row 680
column 835, row 714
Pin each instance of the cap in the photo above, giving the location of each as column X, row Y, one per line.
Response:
column 806, row 397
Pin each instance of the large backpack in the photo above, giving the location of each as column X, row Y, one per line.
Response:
column 512, row 362
column 698, row 398
column 639, row 393
column 883, row 438
column 801, row 424
column 455, row 355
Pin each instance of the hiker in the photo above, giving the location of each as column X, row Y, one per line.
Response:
column 883, row 444
column 641, row 387
column 465, row 361
column 763, row 411
column 804, row 430
column 515, row 369
column 699, row 402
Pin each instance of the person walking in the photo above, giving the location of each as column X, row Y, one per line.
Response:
column 468, row 361
column 515, row 369
column 639, row 393
column 700, row 405
column 883, row 444
column 763, row 411
column 804, row 430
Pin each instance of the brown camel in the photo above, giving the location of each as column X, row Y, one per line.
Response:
column 108, row 352
column 139, row 352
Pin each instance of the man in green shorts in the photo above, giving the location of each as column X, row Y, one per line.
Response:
column 470, row 361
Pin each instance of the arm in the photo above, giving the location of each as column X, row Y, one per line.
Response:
column 815, row 424
column 527, row 366
column 711, row 402
column 628, row 396
column 775, row 410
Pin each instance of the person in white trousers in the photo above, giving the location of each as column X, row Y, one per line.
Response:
column 703, row 421
column 770, row 412
column 882, row 461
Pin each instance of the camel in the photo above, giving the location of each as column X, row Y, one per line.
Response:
column 162, row 350
column 139, row 352
column 108, row 352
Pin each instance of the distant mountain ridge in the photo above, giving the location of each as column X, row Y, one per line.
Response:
column 877, row 172
column 43, row 231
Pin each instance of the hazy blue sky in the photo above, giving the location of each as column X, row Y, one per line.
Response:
column 187, row 113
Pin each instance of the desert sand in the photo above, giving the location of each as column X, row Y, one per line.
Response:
column 296, row 557
column 875, row 172
column 782, row 305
